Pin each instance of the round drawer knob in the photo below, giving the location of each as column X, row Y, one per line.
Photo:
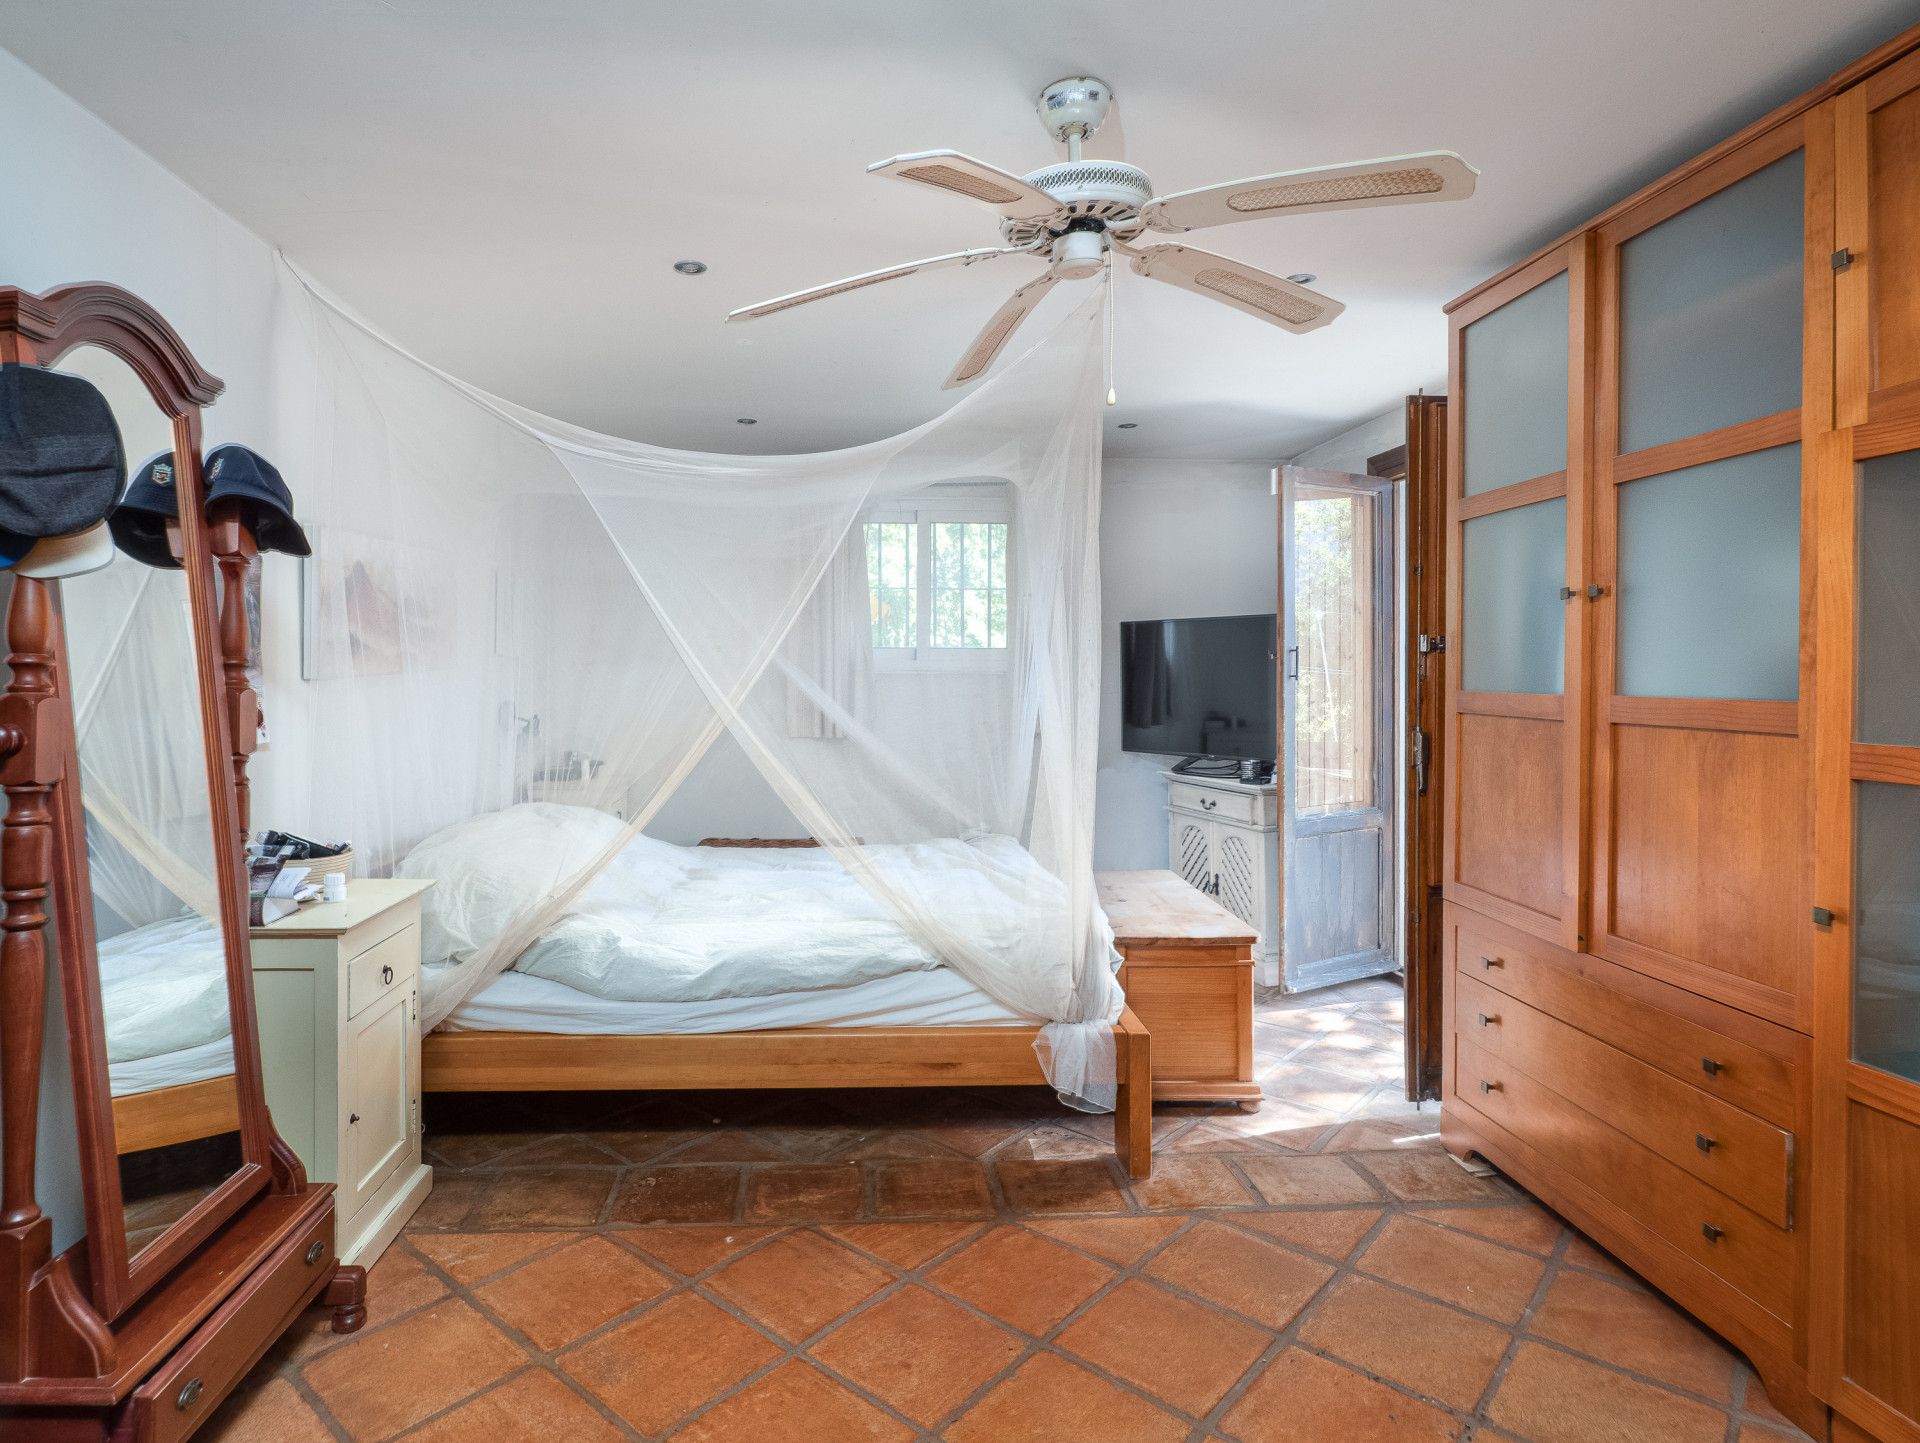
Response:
column 315, row 1251
column 189, row 1394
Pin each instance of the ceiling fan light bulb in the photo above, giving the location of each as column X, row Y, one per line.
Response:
column 1079, row 255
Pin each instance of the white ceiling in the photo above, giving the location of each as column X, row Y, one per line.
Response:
column 504, row 184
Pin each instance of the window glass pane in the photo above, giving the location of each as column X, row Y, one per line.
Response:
column 1710, row 580
column 1710, row 304
column 1335, row 583
column 1888, row 685
column 1516, row 383
column 892, row 581
column 1886, row 945
column 970, row 585
column 1515, row 622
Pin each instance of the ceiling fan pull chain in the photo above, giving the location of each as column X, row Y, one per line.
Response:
column 1112, row 396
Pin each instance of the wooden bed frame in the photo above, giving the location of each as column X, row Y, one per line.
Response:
column 825, row 1057
column 184, row 1112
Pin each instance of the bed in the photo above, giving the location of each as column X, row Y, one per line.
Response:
column 733, row 964
column 163, row 994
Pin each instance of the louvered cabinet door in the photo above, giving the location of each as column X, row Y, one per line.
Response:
column 1239, row 875
column 1190, row 846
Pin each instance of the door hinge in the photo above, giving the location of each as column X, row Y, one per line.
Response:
column 1841, row 259
column 1430, row 643
column 1567, row 593
column 1421, row 748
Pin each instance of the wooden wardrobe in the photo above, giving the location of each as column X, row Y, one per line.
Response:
column 1682, row 852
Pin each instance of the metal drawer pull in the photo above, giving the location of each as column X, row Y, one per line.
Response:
column 1711, row 1233
column 189, row 1394
column 1488, row 1021
column 1823, row 916
column 1491, row 962
column 315, row 1251
column 1209, row 803
column 1486, row 1086
column 1712, row 1068
column 1705, row 1143
column 386, row 976
column 352, row 1118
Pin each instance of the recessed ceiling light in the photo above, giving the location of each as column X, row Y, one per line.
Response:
column 1299, row 278
column 746, row 421
column 690, row 268
column 1128, row 425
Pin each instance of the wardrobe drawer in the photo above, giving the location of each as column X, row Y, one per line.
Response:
column 1563, row 985
column 176, row 1399
column 1744, row 1250
column 380, row 969
column 1224, row 806
column 1744, row 1156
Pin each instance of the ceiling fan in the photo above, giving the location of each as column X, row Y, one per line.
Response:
column 1072, row 214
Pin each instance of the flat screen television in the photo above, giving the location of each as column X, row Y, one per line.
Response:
column 1200, row 686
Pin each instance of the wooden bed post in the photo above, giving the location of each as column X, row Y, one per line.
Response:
column 1133, row 1103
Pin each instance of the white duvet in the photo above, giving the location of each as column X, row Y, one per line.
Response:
column 163, row 989
column 687, row 924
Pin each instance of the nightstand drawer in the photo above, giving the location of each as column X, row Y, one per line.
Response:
column 1225, row 806
column 380, row 969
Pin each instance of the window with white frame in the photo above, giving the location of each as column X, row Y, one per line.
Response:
column 937, row 582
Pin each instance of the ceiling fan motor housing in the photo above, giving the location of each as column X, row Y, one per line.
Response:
column 1108, row 191
column 1078, row 254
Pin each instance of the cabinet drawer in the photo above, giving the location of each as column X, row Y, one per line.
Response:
column 1562, row 985
column 381, row 968
column 1225, row 806
column 1743, row 1156
column 176, row 1399
column 1743, row 1249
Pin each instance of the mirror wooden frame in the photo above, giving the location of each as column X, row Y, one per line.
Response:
column 41, row 330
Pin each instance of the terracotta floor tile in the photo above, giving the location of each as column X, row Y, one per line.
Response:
column 448, row 1204
column 1123, row 1240
column 656, row 1368
column 799, row 1283
column 1551, row 1397
column 1288, row 1181
column 1754, row 1400
column 668, row 1194
column 1052, row 1400
column 1082, row 1185
column 643, row 1144
column 692, row 1250
column 811, row 1141
column 469, row 1257
column 893, row 1145
column 730, row 1146
column 1634, row 1330
column 1759, row 1433
column 1378, row 1134
column 905, row 1245
column 1224, row 1265
column 555, row 1299
column 1522, row 1225
column 976, row 1137
column 795, row 1403
column 1052, row 1143
column 1431, row 1349
column 1022, row 1278
column 1468, row 1272
column 1331, row 1232
column 567, row 1150
column 569, row 1197
column 393, row 1377
column 1583, row 1252
column 398, row 1284
column 1426, row 1176
column 1301, row 1398
column 1181, row 1183
column 274, row 1410
column 535, row 1407
column 919, row 1353
column 1177, row 1350
column 933, row 1188
column 805, row 1192
column 478, row 1149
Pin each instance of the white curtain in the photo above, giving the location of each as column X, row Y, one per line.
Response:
column 498, row 598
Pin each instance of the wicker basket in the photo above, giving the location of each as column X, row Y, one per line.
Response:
column 320, row 867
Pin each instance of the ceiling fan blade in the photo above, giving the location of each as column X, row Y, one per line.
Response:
column 963, row 175
column 872, row 278
column 1394, row 180
column 994, row 335
column 1246, row 288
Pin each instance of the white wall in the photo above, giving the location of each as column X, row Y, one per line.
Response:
column 83, row 204
column 1177, row 538
column 1350, row 449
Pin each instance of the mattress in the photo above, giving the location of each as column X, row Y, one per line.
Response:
column 163, row 994
column 519, row 1002
column 170, row 1069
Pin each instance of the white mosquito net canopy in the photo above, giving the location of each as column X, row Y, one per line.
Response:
column 902, row 638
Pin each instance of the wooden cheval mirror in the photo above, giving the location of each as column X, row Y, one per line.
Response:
column 125, row 730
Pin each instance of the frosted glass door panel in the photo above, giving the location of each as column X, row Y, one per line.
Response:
column 1710, row 307
column 1888, row 685
column 1886, row 945
column 1710, row 580
column 1515, row 633
column 1516, row 382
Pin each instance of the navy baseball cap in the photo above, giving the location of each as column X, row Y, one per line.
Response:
column 236, row 474
column 139, row 522
column 61, row 460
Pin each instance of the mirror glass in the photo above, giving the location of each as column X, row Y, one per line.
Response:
column 150, row 856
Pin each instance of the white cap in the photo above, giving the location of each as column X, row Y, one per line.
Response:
column 75, row 555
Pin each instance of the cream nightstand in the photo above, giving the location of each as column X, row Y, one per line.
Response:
column 337, row 988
